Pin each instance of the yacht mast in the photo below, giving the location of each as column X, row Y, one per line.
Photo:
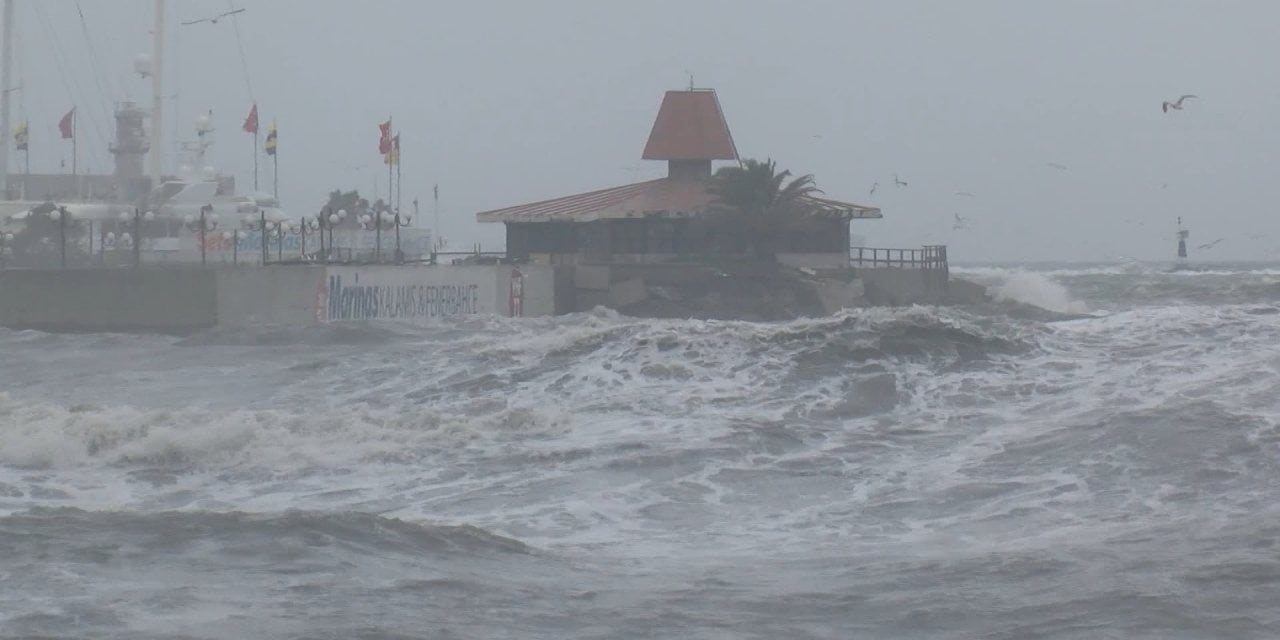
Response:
column 6, row 64
column 157, row 96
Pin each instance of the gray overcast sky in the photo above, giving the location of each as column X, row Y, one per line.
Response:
column 508, row 102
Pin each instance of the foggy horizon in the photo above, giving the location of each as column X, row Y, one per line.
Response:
column 506, row 103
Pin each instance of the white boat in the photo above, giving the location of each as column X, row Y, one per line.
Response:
column 191, row 214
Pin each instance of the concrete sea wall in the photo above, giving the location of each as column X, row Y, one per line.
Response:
column 250, row 296
column 181, row 300
column 186, row 299
column 163, row 300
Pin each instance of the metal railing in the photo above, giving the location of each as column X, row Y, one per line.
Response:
column 929, row 257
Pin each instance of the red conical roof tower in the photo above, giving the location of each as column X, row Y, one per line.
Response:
column 689, row 132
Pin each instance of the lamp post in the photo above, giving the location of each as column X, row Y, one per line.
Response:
column 63, row 217
column 328, row 220
column 264, row 227
column 133, row 221
column 233, row 236
column 378, row 222
column 305, row 224
column 203, row 225
column 6, row 247
column 60, row 216
column 400, row 222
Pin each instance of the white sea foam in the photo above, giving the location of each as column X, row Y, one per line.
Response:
column 907, row 447
column 1030, row 287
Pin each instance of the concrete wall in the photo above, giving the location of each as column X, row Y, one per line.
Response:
column 836, row 294
column 890, row 286
column 160, row 300
column 427, row 293
column 180, row 300
column 839, row 260
column 536, row 289
column 279, row 295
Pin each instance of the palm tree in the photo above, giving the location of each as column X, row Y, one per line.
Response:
column 759, row 200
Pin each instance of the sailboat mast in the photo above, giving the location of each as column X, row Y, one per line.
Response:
column 6, row 73
column 157, row 96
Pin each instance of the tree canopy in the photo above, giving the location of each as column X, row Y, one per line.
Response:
column 762, row 201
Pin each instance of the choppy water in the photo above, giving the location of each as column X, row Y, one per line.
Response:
column 887, row 473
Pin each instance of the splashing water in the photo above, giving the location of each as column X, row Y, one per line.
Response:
column 883, row 473
column 1030, row 287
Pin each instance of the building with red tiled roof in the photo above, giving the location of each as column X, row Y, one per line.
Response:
column 665, row 219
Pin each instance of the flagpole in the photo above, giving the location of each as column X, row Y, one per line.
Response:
column 391, row 150
column 6, row 69
column 255, row 155
column 26, row 160
column 74, row 118
column 398, row 181
column 275, row 164
column 435, row 206
column 391, row 154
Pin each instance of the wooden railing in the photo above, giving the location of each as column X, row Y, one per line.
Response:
column 929, row 257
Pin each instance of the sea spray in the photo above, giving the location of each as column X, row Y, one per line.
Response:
column 1030, row 287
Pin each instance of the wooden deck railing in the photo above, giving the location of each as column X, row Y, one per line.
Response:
column 929, row 257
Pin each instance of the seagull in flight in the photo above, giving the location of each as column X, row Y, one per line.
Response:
column 1055, row 165
column 900, row 183
column 960, row 223
column 1210, row 245
column 874, row 185
column 965, row 194
column 1176, row 105
column 215, row 19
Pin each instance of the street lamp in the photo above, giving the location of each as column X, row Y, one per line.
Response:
column 263, row 226
column 378, row 222
column 6, row 247
column 134, row 222
column 281, row 227
column 63, row 217
column 307, row 223
column 233, row 236
column 329, row 219
column 400, row 222
column 204, row 224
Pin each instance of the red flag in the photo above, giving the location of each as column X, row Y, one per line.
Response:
column 384, row 140
column 251, row 121
column 66, row 126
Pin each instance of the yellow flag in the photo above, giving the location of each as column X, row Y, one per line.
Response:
column 271, row 139
column 21, row 136
column 393, row 156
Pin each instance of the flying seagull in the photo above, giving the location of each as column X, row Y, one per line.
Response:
column 960, row 223
column 900, row 183
column 873, row 187
column 1210, row 245
column 215, row 19
column 1176, row 106
column 965, row 194
column 1059, row 167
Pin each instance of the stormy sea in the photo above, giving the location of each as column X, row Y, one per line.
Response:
column 1110, row 470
